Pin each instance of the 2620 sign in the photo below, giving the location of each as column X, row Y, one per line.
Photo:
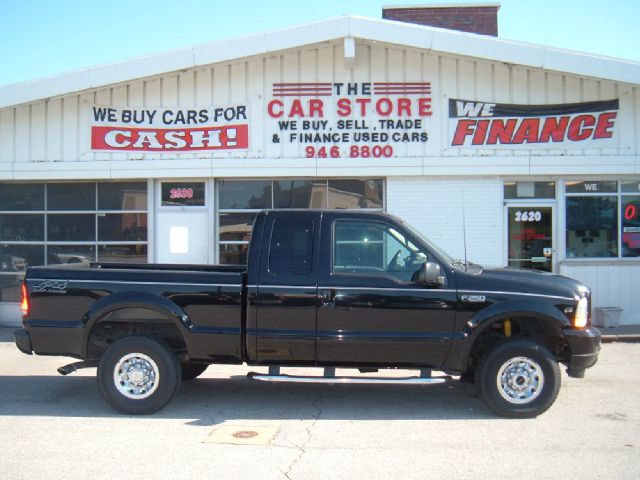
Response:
column 528, row 216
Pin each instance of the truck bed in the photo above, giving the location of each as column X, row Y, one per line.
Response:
column 204, row 302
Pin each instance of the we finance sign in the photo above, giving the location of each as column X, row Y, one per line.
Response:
column 474, row 124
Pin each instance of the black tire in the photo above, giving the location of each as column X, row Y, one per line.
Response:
column 192, row 370
column 530, row 390
column 156, row 369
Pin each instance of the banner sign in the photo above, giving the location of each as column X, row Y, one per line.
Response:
column 350, row 119
column 475, row 124
column 169, row 130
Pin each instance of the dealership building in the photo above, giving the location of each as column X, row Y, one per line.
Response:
column 503, row 152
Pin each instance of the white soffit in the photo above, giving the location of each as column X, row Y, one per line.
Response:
column 384, row 31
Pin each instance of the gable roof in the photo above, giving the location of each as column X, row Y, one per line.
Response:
column 392, row 32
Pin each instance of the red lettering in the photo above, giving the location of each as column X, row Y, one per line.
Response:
column 271, row 108
column 501, row 130
column 344, row 107
column 604, row 125
column 424, row 107
column 316, row 107
column 363, row 102
column 578, row 127
column 527, row 131
column 404, row 105
column 481, row 132
column 554, row 128
column 296, row 109
column 388, row 107
column 463, row 129
column 630, row 212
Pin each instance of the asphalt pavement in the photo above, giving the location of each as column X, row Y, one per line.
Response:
column 58, row 427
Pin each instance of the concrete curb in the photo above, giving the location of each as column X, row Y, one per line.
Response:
column 621, row 338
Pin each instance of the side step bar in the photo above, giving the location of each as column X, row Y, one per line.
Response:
column 274, row 376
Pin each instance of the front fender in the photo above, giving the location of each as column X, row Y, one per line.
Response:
column 548, row 317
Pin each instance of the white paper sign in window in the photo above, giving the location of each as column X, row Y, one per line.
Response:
column 179, row 240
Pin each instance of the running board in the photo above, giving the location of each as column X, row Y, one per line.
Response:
column 361, row 380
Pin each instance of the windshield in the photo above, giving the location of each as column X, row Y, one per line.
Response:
column 430, row 245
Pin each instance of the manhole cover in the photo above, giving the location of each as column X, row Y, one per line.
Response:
column 245, row 434
column 242, row 435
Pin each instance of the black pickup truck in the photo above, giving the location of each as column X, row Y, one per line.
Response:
column 328, row 289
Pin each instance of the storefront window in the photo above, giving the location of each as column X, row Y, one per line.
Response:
column 592, row 227
column 239, row 201
column 630, row 213
column 71, row 196
column 77, row 230
column 603, row 219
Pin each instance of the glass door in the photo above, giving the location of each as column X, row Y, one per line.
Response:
column 530, row 236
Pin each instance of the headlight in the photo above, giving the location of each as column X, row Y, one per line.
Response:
column 582, row 313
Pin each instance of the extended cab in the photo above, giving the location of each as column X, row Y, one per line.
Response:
column 322, row 288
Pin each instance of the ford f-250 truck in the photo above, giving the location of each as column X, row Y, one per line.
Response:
column 325, row 289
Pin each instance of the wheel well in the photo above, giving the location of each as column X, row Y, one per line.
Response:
column 134, row 321
column 541, row 331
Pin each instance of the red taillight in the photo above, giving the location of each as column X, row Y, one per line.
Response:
column 24, row 305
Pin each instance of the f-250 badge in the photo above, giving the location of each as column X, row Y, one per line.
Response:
column 51, row 286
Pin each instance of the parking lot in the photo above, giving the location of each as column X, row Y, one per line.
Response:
column 59, row 427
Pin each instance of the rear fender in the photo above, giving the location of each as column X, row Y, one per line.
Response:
column 165, row 309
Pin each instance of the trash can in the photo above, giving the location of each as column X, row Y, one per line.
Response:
column 607, row 317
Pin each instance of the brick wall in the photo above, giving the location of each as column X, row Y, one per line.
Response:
column 434, row 207
column 481, row 19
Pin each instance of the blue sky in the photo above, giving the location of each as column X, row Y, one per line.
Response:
column 47, row 37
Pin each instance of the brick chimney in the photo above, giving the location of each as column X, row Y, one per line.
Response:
column 479, row 18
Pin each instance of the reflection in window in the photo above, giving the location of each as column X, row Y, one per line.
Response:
column 122, row 227
column 234, row 253
column 23, row 227
column 71, row 227
column 592, row 226
column 245, row 195
column 236, row 226
column 122, row 196
column 122, row 253
column 355, row 194
column 21, row 197
column 71, row 196
column 71, row 237
column 240, row 200
column 374, row 248
column 291, row 249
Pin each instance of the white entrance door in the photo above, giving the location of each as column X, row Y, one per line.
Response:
column 183, row 237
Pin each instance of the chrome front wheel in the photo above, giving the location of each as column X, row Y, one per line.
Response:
column 520, row 380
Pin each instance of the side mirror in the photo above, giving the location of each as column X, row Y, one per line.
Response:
column 430, row 274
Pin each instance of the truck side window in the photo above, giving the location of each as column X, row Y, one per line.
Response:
column 291, row 248
column 369, row 247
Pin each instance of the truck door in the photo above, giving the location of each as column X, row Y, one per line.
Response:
column 372, row 312
column 286, row 294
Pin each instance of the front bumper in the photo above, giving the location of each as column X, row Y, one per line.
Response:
column 584, row 346
column 23, row 341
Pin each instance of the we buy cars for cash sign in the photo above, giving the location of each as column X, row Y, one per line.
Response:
column 169, row 130
column 474, row 124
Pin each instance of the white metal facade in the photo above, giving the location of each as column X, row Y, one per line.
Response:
column 426, row 183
